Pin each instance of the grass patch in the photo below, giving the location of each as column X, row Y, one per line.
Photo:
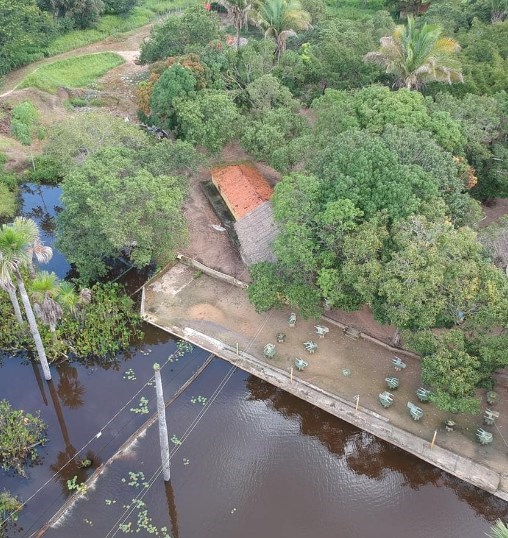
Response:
column 78, row 72
column 80, row 102
column 145, row 12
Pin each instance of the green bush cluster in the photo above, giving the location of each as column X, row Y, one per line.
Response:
column 95, row 332
column 24, row 122
column 20, row 435
column 8, row 191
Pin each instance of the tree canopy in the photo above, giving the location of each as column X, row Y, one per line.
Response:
column 195, row 28
column 114, row 204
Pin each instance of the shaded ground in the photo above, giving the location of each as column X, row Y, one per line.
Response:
column 221, row 311
column 495, row 209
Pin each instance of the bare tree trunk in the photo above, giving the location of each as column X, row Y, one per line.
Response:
column 15, row 303
column 33, row 326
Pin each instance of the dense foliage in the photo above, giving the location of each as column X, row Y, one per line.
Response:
column 90, row 330
column 8, row 191
column 121, row 202
column 24, row 32
column 197, row 27
column 20, row 435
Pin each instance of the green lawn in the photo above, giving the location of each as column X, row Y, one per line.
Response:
column 77, row 72
column 146, row 11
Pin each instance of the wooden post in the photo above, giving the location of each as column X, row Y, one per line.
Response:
column 291, row 377
column 163, row 429
column 357, row 402
column 433, row 440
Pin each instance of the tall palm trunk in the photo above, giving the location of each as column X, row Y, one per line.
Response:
column 33, row 325
column 15, row 303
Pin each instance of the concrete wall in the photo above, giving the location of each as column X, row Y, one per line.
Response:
column 464, row 468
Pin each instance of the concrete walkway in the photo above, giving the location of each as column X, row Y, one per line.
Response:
column 215, row 314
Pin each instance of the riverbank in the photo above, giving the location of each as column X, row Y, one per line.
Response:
column 216, row 315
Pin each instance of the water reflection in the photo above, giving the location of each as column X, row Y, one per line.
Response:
column 173, row 515
column 67, row 465
column 367, row 455
column 69, row 389
column 42, row 204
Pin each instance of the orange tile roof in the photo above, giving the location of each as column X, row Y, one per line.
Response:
column 242, row 187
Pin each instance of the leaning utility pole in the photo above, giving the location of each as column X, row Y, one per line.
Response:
column 163, row 429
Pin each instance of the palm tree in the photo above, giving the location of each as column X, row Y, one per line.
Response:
column 8, row 286
column 238, row 11
column 418, row 55
column 281, row 19
column 17, row 242
column 52, row 298
column 45, row 290
column 35, row 248
column 498, row 530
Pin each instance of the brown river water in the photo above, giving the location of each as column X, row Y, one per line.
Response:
column 256, row 462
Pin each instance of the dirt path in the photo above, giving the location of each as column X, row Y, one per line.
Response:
column 126, row 44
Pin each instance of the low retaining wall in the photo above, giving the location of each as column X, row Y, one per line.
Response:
column 464, row 468
column 212, row 272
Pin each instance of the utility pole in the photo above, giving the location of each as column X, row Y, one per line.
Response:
column 163, row 429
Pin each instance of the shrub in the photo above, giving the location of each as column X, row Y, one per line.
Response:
column 9, row 510
column 20, row 434
column 104, row 326
column 48, row 170
column 24, row 118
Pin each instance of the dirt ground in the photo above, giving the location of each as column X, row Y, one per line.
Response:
column 494, row 210
column 197, row 302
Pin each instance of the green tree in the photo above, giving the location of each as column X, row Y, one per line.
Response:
column 419, row 148
column 197, row 27
column 210, row 120
column 116, row 7
column 417, row 55
column 281, row 19
column 113, row 206
column 375, row 107
column 453, row 374
column 483, row 121
column 24, row 32
column 361, row 168
column 337, row 57
column 266, row 93
column 82, row 13
column 175, row 82
column 23, row 122
column 267, row 135
column 437, row 275
column 19, row 242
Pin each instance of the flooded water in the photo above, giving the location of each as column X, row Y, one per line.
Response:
column 258, row 462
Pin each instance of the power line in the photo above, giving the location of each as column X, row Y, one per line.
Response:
column 96, row 436
column 128, row 512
